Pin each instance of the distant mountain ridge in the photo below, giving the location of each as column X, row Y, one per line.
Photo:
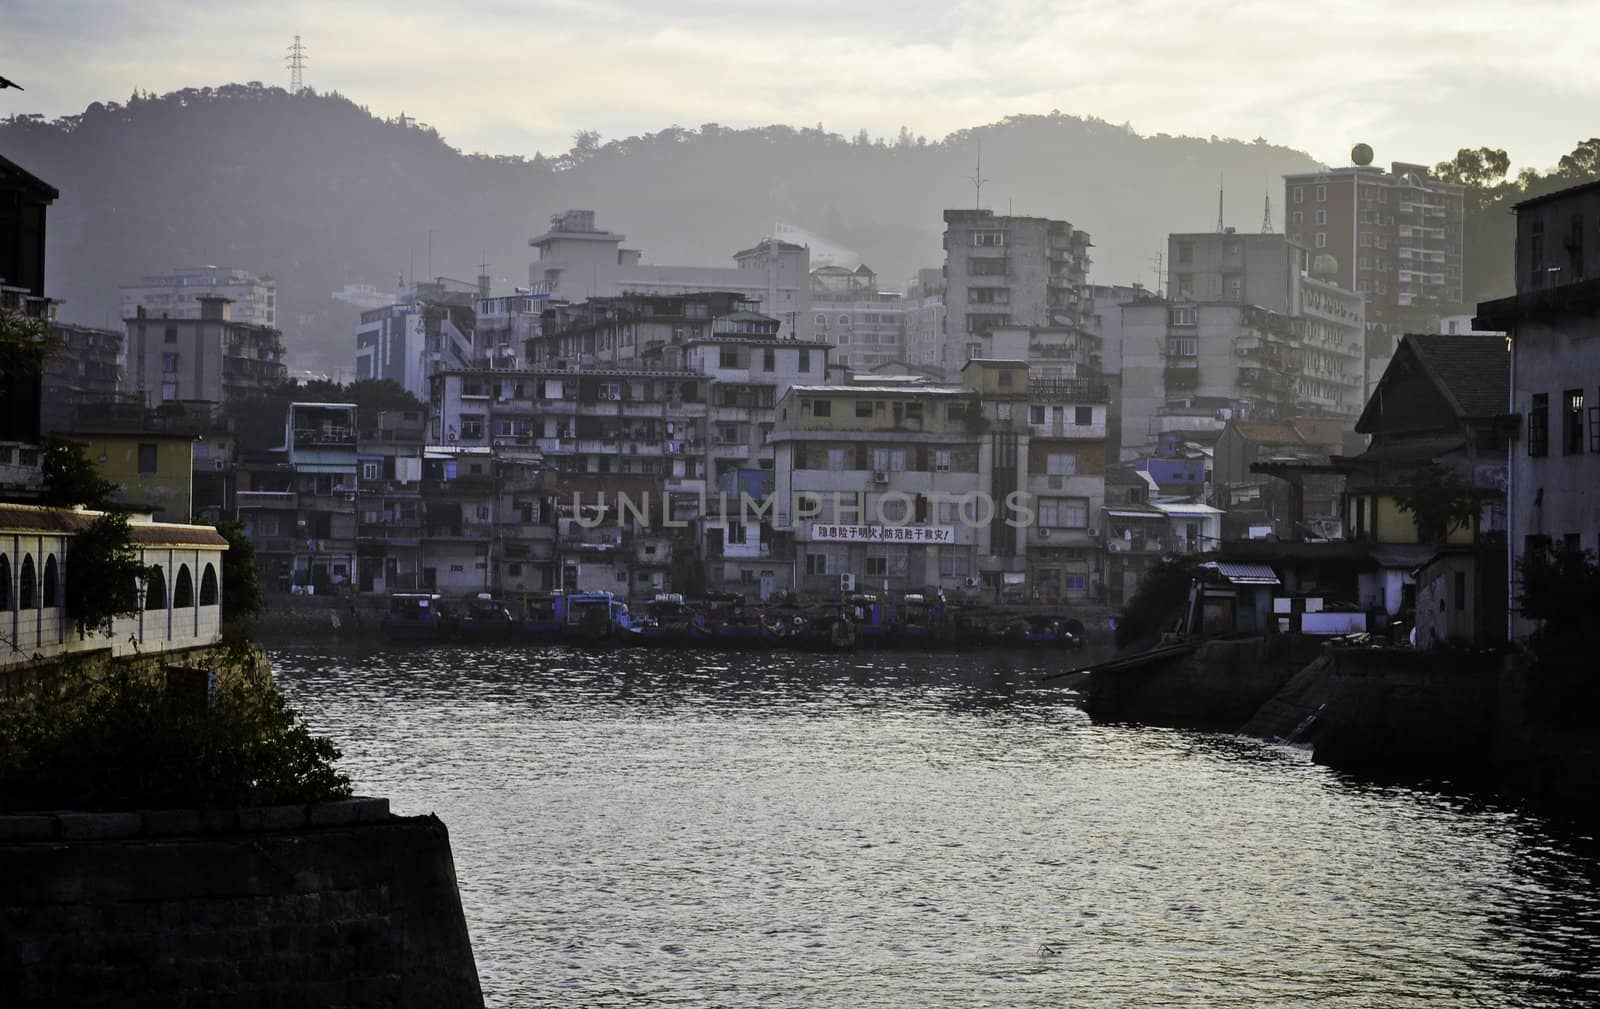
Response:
column 318, row 192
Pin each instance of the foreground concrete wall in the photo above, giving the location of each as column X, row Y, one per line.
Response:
column 111, row 909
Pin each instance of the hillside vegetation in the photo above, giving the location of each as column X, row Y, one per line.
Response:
column 319, row 192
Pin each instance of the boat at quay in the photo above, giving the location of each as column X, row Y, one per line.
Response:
column 920, row 621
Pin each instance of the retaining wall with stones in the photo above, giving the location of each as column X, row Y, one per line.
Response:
column 333, row 904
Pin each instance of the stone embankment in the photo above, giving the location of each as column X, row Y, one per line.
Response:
column 1392, row 712
column 334, row 903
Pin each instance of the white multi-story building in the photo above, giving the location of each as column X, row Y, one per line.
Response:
column 865, row 326
column 578, row 260
column 176, row 295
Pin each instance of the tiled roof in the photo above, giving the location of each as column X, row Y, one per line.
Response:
column 1264, row 432
column 1474, row 372
column 40, row 519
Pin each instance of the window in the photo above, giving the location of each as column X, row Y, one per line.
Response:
column 171, row 335
column 1572, row 422
column 169, row 391
column 5, row 584
column 1575, row 247
column 1083, row 416
column 1322, row 194
column 182, row 589
column 1299, row 194
column 1036, row 414
column 1366, row 240
column 822, row 320
column 1235, row 289
column 27, row 592
column 1297, row 218
column 169, row 364
column 941, row 460
column 769, row 360
column 208, row 586
column 988, row 268
column 1181, row 317
column 147, row 459
column 728, row 357
column 1539, row 425
column 1064, row 513
column 155, row 590
column 821, row 408
column 954, row 563
column 844, row 320
column 863, row 408
column 914, row 412
column 1322, row 240
column 51, row 578
column 369, row 471
column 1461, row 590
column 988, row 239
column 1594, row 429
column 1185, row 285
column 1535, row 253
column 1185, row 252
column 836, row 459
column 1004, row 379
column 805, row 360
column 877, row 566
column 1366, row 217
column 1320, row 217
column 1061, row 464
column 816, row 564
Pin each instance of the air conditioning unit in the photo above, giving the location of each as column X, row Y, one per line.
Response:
column 972, row 583
column 1094, row 534
column 219, row 464
column 847, row 582
column 880, row 477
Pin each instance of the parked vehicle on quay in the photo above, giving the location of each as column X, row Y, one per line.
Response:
column 917, row 621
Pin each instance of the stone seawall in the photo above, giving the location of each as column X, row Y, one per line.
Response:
column 1486, row 719
column 336, row 904
column 1218, row 687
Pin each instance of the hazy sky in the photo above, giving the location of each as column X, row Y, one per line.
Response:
column 1416, row 80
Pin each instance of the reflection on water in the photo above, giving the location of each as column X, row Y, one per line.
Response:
column 676, row 828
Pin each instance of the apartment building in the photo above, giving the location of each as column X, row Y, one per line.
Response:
column 627, row 329
column 578, row 261
column 208, row 357
column 1010, row 271
column 866, row 327
column 1395, row 237
column 870, row 480
column 1190, row 365
column 24, row 203
column 389, row 508
column 299, row 504
column 1551, row 325
column 924, row 319
column 253, row 299
column 85, row 366
column 431, row 326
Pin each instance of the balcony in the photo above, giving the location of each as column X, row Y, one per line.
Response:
column 268, row 499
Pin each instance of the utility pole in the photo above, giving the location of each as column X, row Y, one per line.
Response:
column 1157, row 261
column 297, row 67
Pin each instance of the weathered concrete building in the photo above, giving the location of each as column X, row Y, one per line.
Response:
column 866, row 327
column 210, row 357
column 1553, row 328
column 1020, row 272
column 252, row 299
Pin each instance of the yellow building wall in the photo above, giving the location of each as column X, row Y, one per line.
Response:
column 169, row 490
column 1396, row 526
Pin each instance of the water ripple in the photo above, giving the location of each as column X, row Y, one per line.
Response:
column 687, row 829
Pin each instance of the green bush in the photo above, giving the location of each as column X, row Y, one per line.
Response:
column 1158, row 601
column 127, row 741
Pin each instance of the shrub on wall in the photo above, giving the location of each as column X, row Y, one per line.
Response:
column 104, row 576
column 132, row 741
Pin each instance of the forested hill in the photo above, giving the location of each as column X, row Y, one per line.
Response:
column 318, row 192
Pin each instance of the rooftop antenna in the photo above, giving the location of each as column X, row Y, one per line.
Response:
column 297, row 67
column 978, row 180
column 1266, row 213
column 1219, row 204
column 1157, row 261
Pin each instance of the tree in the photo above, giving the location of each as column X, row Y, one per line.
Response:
column 1159, row 599
column 71, row 477
column 1561, row 590
column 1482, row 167
column 1582, row 164
column 1439, row 502
column 105, row 574
column 241, row 581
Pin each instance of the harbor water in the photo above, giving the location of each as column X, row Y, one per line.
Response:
column 676, row 828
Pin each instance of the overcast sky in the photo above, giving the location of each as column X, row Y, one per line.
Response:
column 1416, row 80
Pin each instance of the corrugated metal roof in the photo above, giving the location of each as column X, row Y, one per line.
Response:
column 1244, row 574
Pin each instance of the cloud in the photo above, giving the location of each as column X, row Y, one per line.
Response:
column 506, row 77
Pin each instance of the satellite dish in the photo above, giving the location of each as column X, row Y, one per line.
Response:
column 1361, row 155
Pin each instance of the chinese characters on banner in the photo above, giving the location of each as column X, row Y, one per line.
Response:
column 826, row 533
